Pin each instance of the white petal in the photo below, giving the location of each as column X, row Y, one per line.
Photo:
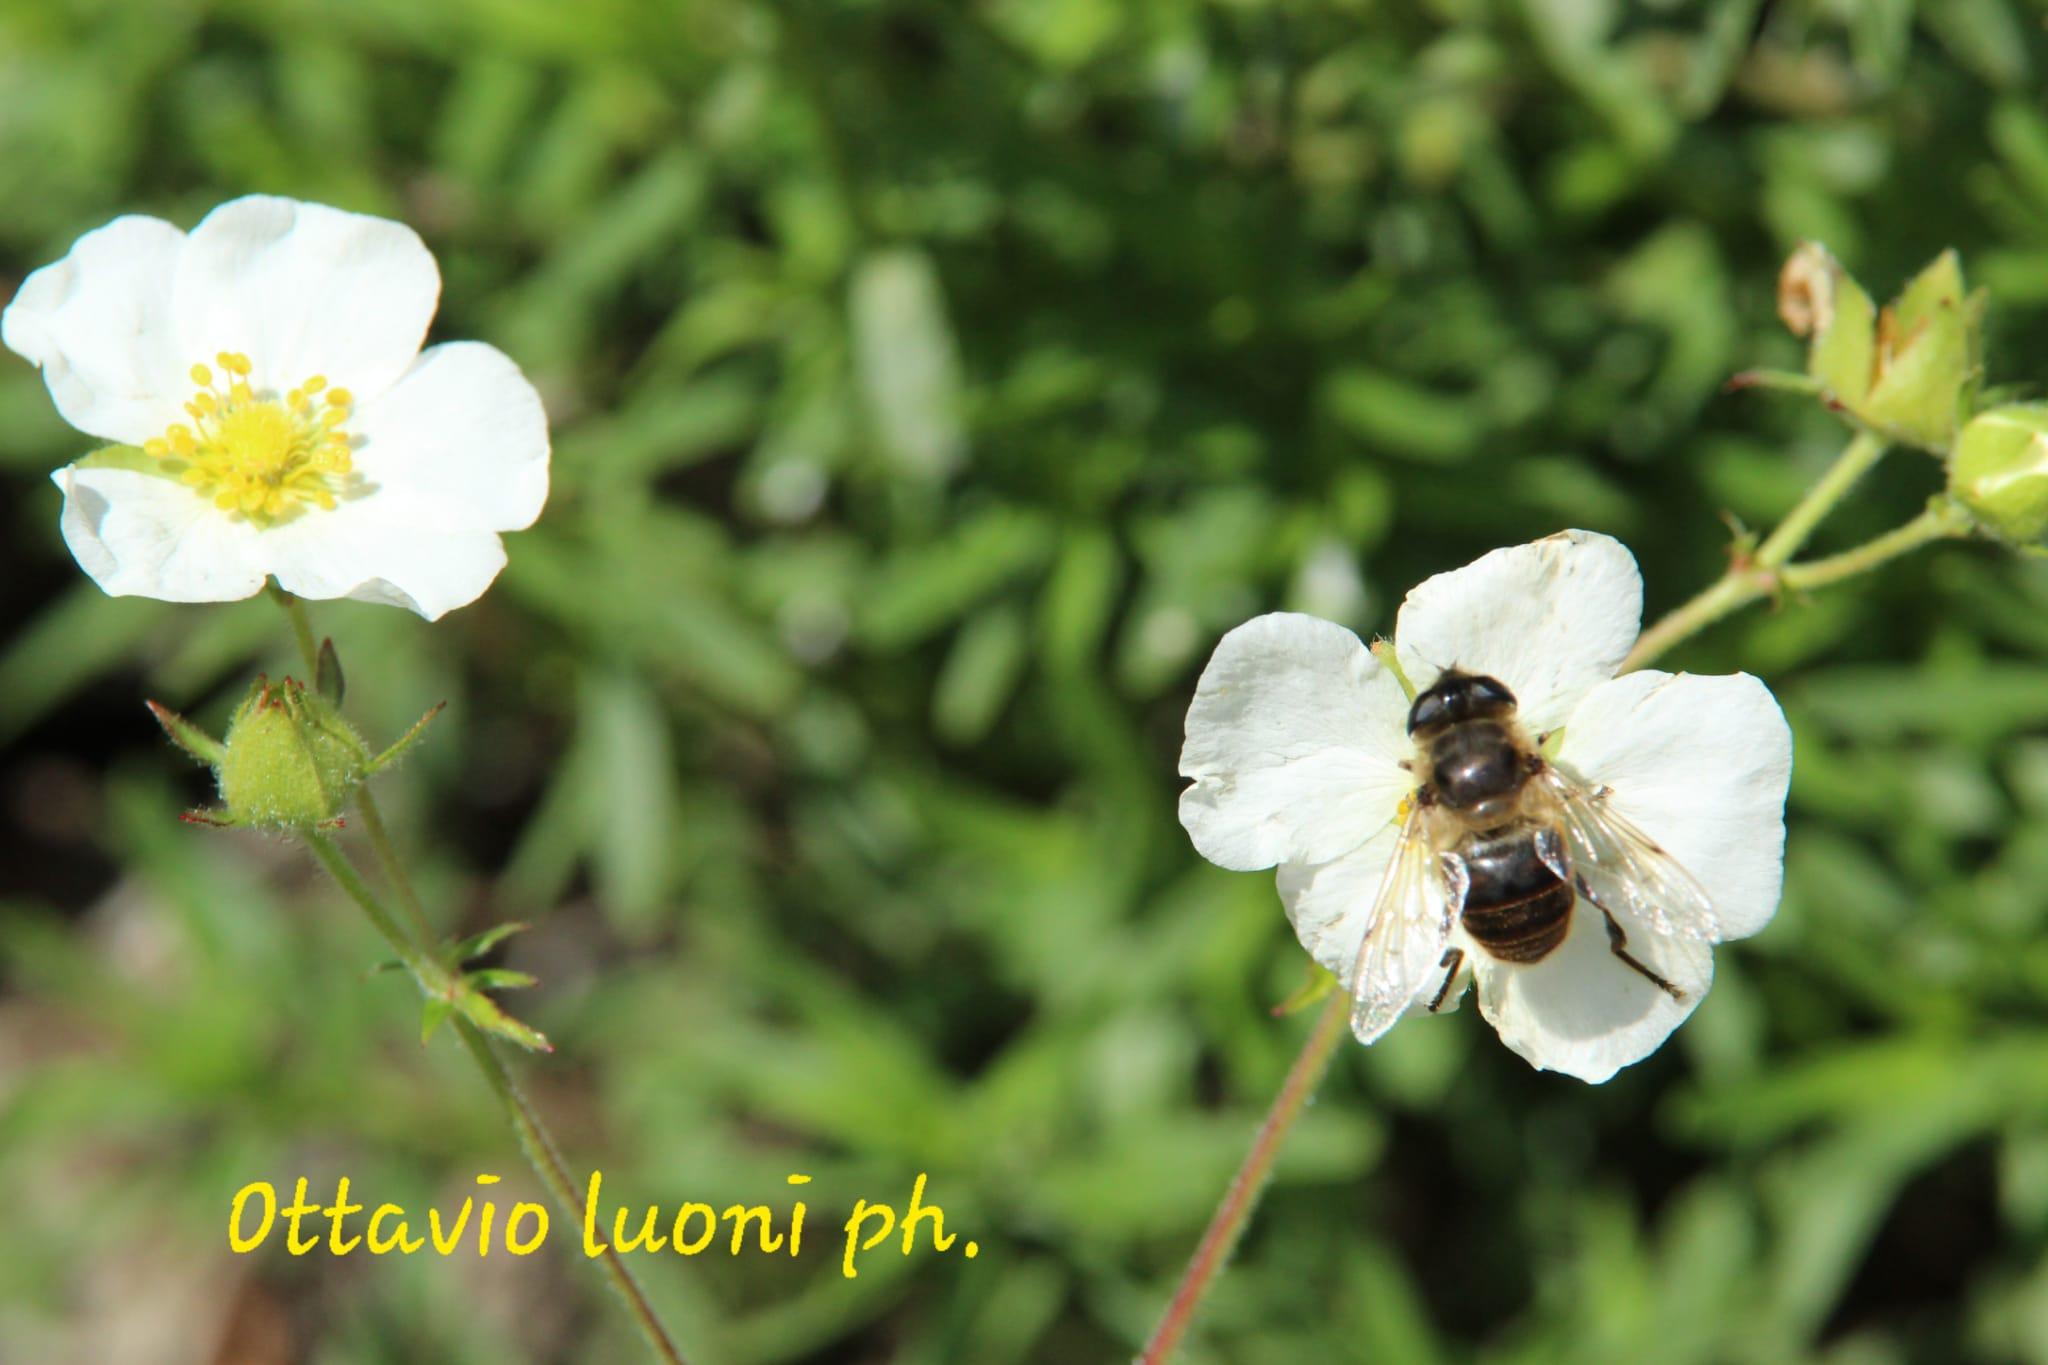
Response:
column 143, row 535
column 1293, row 740
column 1700, row 764
column 461, row 442
column 1551, row 619
column 1584, row 1011
column 306, row 290
column 99, row 323
column 357, row 551
column 1330, row 904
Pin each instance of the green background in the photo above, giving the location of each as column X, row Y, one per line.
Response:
column 932, row 384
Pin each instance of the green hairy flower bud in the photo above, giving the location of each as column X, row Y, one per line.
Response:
column 292, row 762
column 1910, row 369
column 2000, row 472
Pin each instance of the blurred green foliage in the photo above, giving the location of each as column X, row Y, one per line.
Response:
column 932, row 385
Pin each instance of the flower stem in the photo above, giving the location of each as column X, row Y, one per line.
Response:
column 1944, row 519
column 1856, row 459
column 366, row 804
column 302, row 629
column 1754, row 575
column 432, row 977
column 547, row 1163
column 1231, row 1216
column 1735, row 589
column 416, row 952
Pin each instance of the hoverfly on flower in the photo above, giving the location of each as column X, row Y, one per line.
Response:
column 1572, row 840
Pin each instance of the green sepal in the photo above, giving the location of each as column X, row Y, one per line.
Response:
column 1927, row 366
column 1321, row 981
column 131, row 458
column 1844, row 352
column 327, row 677
column 1820, row 300
column 203, row 748
column 406, row 740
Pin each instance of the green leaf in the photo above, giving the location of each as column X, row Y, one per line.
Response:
column 482, row 1011
column 433, row 1014
column 476, row 945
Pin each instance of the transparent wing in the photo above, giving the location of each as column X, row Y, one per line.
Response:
column 1625, row 871
column 1420, row 896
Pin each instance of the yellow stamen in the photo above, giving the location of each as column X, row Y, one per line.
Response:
column 254, row 455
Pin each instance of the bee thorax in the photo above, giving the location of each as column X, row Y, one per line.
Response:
column 1478, row 771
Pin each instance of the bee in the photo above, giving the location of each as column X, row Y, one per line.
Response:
column 1497, row 840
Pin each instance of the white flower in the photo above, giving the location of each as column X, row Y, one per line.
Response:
column 273, row 413
column 1297, row 734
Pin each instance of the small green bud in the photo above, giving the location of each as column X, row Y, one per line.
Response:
column 1909, row 370
column 292, row 762
column 2000, row 472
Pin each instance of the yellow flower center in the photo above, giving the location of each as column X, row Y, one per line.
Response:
column 256, row 454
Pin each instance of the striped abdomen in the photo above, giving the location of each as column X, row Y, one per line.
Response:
column 1516, row 907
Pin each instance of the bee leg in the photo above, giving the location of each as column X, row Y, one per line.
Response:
column 1453, row 959
column 1617, row 943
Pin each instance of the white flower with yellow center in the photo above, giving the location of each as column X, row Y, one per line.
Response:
column 271, row 412
column 1299, row 744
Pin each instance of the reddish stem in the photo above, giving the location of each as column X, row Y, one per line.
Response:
column 1242, row 1198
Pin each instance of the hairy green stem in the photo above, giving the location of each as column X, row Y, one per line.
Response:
column 1944, row 519
column 547, row 1163
column 302, row 629
column 1743, row 584
column 366, row 804
column 1863, row 451
column 1755, row 575
column 432, row 977
column 415, row 950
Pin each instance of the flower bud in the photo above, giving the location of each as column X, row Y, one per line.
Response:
column 2000, row 472
column 1910, row 369
column 292, row 763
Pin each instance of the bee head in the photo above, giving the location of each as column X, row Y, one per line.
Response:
column 1455, row 697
